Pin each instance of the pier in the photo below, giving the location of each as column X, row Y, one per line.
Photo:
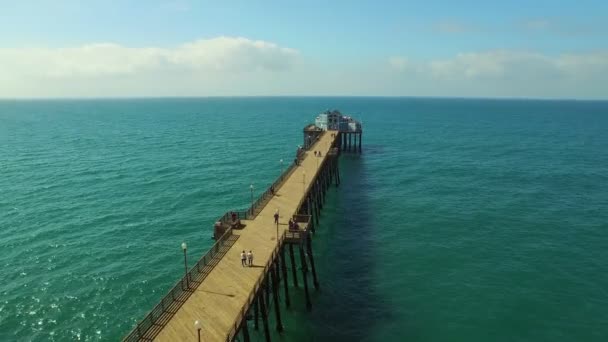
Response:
column 218, row 292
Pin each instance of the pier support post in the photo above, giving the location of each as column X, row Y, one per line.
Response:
column 267, row 295
column 350, row 142
column 337, row 171
column 265, row 319
column 275, row 294
column 326, row 180
column 320, row 197
column 317, row 211
column 294, row 271
column 256, row 312
column 304, row 271
column 277, row 266
column 285, row 280
column 245, row 329
column 344, row 142
column 312, row 263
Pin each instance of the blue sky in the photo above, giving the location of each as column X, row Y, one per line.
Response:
column 403, row 48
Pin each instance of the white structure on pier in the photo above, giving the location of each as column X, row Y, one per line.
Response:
column 334, row 120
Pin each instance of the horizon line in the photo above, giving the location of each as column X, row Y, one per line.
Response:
column 177, row 97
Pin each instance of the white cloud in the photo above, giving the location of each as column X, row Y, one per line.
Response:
column 504, row 73
column 232, row 54
column 398, row 63
column 217, row 54
column 500, row 65
column 226, row 66
column 492, row 64
column 584, row 65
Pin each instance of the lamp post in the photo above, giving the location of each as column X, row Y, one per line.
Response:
column 251, row 188
column 304, row 182
column 281, row 166
column 197, row 326
column 277, row 213
column 184, row 248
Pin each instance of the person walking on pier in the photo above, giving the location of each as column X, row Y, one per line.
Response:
column 276, row 217
column 243, row 259
column 250, row 258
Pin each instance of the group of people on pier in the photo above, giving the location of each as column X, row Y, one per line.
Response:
column 247, row 258
column 293, row 225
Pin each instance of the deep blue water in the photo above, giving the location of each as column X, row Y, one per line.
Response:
column 463, row 220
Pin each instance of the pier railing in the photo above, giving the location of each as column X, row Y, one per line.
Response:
column 261, row 201
column 299, row 218
column 173, row 300
column 307, row 189
column 240, row 215
column 242, row 315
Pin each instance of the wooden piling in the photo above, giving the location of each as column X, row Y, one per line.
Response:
column 275, row 294
column 294, row 271
column 264, row 310
column 312, row 263
column 285, row 280
column 304, row 271
column 245, row 330
column 256, row 310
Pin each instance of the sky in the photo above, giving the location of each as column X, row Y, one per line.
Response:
column 522, row 49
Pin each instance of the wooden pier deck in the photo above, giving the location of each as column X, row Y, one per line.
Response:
column 217, row 301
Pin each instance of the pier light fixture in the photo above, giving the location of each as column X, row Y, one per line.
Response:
column 304, row 182
column 281, row 161
column 197, row 326
column 185, row 248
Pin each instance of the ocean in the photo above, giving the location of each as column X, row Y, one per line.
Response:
column 462, row 220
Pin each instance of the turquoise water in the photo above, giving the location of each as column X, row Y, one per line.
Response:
column 463, row 220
